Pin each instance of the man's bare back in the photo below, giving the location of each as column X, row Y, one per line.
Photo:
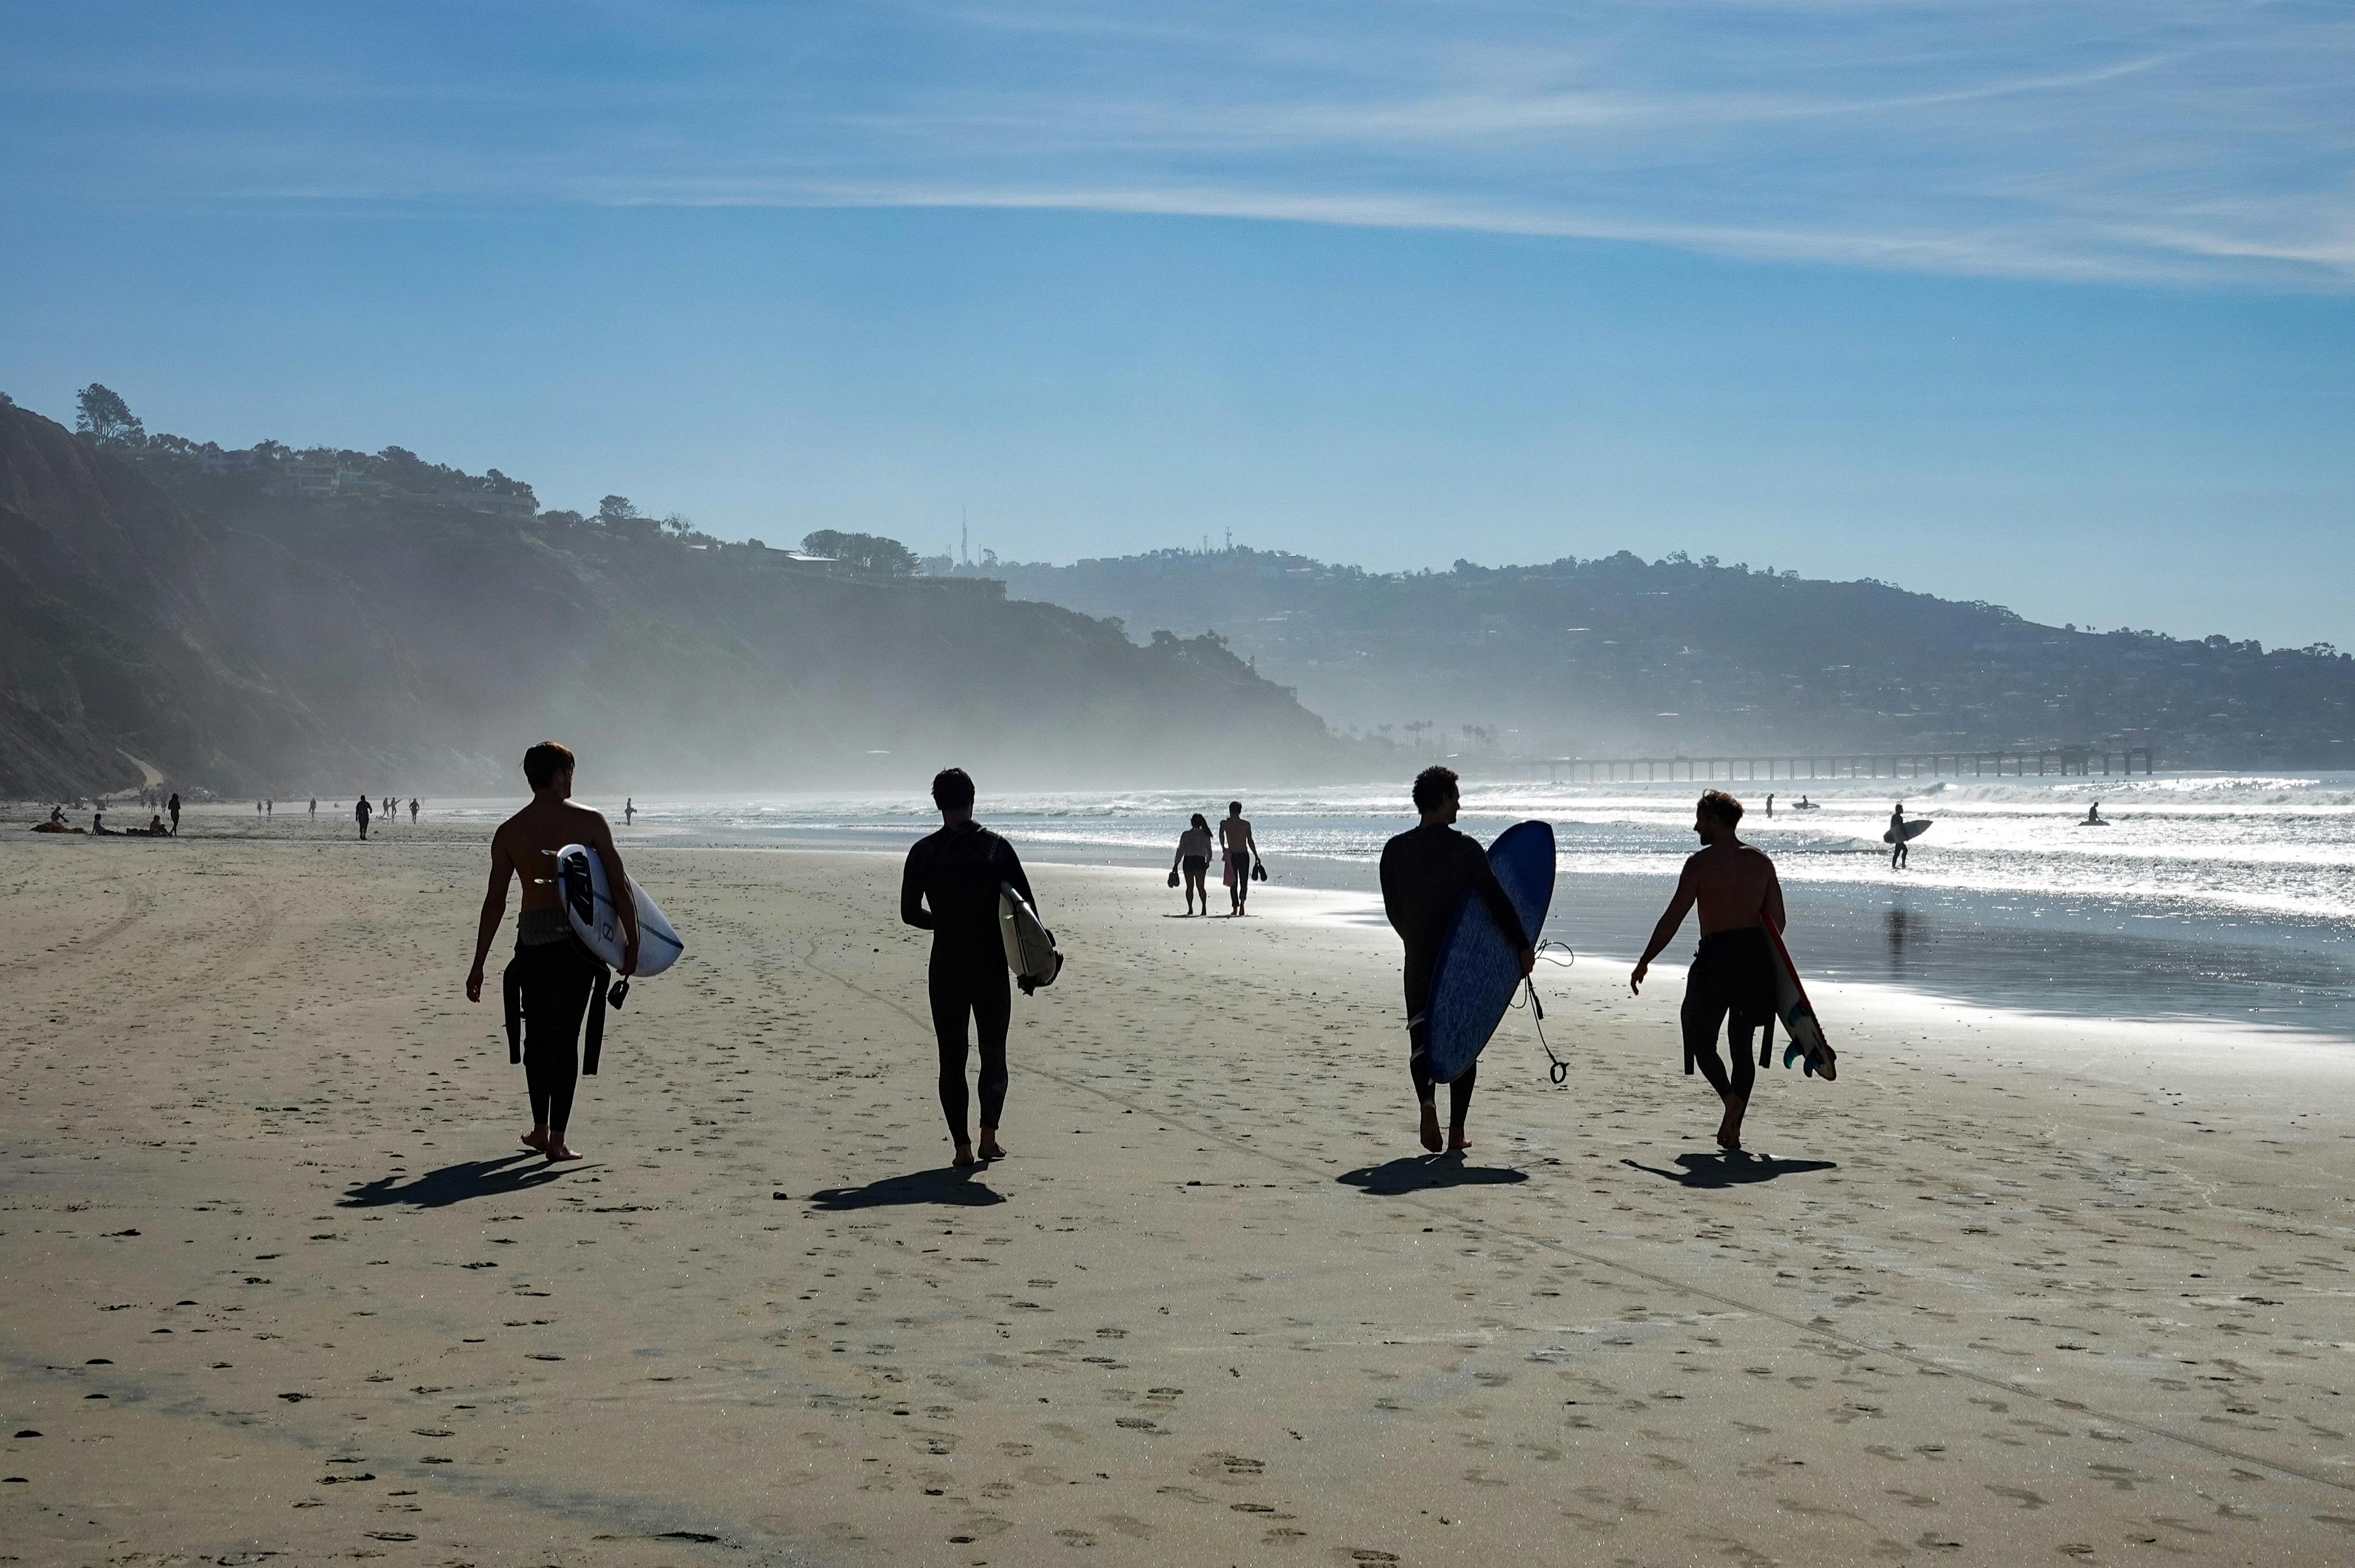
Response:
column 1733, row 885
column 527, row 844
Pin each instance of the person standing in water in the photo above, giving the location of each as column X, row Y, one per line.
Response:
column 949, row 887
column 1897, row 841
column 1770, row 805
column 314, row 807
column 174, row 807
column 629, row 810
column 554, row 973
column 360, row 813
column 1732, row 980
column 1242, row 850
column 1193, row 858
column 1427, row 873
column 412, row 810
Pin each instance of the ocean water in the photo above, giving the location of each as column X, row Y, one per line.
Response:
column 2222, row 897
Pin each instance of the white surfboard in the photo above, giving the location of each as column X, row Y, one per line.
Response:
column 588, row 897
column 1029, row 946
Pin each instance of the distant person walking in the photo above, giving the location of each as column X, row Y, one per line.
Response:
column 1241, row 855
column 412, row 810
column 361, row 813
column 314, row 806
column 949, row 887
column 1897, row 840
column 1427, row 873
column 1193, row 859
column 1770, row 805
column 552, row 981
column 629, row 810
column 1731, row 979
column 174, row 807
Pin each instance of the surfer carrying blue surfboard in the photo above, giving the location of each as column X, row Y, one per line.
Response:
column 1732, row 980
column 1427, row 873
column 552, row 976
column 951, row 888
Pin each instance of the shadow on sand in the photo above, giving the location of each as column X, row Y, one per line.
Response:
column 1422, row 1173
column 1734, row 1167
column 454, row 1183
column 959, row 1187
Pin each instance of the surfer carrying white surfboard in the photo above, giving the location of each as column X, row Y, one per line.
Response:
column 553, row 977
column 951, row 888
column 1732, row 980
column 1427, row 873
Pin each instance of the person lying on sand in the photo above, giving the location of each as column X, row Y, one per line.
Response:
column 1733, row 976
column 555, row 974
column 1427, row 873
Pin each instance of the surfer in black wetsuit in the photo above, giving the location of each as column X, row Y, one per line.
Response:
column 1897, row 840
column 553, row 980
column 951, row 888
column 1427, row 873
column 1732, row 980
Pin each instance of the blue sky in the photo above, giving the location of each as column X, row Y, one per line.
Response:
column 2046, row 303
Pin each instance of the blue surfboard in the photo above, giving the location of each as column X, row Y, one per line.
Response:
column 1479, row 968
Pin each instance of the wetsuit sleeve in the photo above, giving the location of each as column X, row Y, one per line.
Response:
column 911, row 897
column 1391, row 889
column 1010, row 868
column 1492, row 892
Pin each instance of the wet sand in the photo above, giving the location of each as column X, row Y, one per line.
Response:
column 275, row 1276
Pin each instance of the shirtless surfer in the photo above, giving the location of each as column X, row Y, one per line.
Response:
column 1732, row 980
column 557, row 973
column 1242, row 850
column 1427, row 873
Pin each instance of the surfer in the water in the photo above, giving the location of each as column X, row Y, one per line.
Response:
column 1427, row 873
column 1242, row 849
column 1732, row 980
column 1193, row 858
column 554, row 972
column 951, row 888
column 1897, row 836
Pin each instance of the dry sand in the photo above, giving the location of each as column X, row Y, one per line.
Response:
column 279, row 1280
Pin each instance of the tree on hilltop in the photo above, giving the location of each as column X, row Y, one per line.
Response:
column 863, row 552
column 616, row 509
column 106, row 418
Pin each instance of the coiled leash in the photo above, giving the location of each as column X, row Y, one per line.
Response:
column 1559, row 1071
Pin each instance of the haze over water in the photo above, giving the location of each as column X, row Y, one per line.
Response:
column 2224, row 896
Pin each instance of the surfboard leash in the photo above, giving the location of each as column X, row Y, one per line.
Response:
column 1559, row 1070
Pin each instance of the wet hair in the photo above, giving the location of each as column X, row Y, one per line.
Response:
column 1236, row 807
column 543, row 762
column 1723, row 807
column 953, row 789
column 1433, row 786
column 1200, row 822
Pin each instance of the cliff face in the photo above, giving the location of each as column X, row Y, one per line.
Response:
column 257, row 643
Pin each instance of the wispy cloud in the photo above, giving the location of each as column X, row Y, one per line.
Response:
column 2181, row 140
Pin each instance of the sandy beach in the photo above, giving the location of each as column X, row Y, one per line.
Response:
column 277, row 1279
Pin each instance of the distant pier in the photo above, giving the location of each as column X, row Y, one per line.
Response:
column 2060, row 761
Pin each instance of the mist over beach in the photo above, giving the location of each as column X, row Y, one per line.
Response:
column 1328, row 786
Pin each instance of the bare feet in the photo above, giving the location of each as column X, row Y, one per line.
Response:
column 990, row 1148
column 1729, row 1132
column 537, row 1139
column 1457, row 1142
column 964, row 1155
column 1430, row 1127
column 557, row 1148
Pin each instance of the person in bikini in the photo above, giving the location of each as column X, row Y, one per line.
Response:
column 1194, row 859
column 556, row 975
column 1242, row 850
column 1732, row 980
